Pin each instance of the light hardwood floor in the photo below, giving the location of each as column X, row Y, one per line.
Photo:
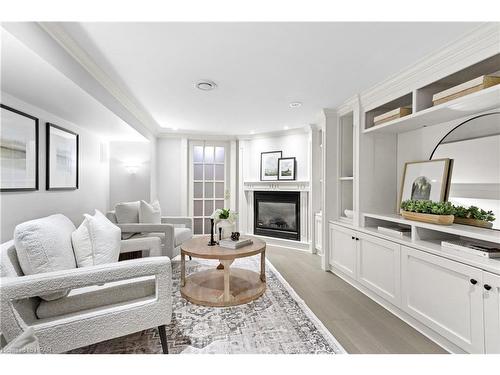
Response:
column 359, row 324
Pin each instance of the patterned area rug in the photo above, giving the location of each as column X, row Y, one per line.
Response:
column 279, row 322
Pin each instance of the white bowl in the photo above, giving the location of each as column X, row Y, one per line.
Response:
column 349, row 213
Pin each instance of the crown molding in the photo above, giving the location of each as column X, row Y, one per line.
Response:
column 57, row 32
column 479, row 44
column 277, row 133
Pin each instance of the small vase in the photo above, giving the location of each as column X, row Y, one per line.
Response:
column 227, row 228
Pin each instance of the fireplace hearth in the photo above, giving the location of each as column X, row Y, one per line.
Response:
column 277, row 214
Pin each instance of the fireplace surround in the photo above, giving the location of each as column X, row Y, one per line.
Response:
column 277, row 214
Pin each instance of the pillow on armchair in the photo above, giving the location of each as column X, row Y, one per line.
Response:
column 127, row 212
column 44, row 245
column 96, row 241
column 150, row 213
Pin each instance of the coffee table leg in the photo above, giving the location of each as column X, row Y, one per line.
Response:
column 263, row 266
column 227, row 274
column 183, row 270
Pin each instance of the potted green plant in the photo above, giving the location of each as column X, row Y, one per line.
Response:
column 225, row 219
column 474, row 216
column 441, row 213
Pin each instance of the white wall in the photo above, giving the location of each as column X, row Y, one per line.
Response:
column 123, row 185
column 171, row 169
column 172, row 166
column 93, row 191
column 291, row 145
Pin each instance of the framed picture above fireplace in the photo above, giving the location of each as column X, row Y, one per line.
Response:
column 286, row 168
column 269, row 165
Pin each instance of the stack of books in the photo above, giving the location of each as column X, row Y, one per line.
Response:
column 473, row 248
column 395, row 231
column 230, row 244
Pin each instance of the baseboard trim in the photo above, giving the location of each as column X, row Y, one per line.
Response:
column 281, row 242
column 412, row 322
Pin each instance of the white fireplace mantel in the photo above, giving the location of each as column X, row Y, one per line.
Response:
column 276, row 185
column 247, row 209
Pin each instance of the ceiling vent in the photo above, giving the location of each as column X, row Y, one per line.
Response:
column 206, row 85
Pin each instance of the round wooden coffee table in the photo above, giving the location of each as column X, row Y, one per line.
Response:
column 222, row 286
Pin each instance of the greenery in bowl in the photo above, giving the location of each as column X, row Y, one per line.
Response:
column 474, row 212
column 446, row 208
column 224, row 214
column 428, row 207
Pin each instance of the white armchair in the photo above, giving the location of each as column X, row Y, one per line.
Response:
column 173, row 231
column 106, row 301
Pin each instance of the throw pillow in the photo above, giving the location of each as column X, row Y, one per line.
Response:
column 127, row 212
column 150, row 213
column 44, row 245
column 96, row 241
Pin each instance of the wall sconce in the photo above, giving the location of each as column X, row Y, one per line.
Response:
column 132, row 168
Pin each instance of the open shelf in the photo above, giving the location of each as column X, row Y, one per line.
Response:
column 467, row 105
column 403, row 101
column 488, row 235
column 424, row 94
column 345, row 169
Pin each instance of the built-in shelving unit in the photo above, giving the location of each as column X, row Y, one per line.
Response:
column 449, row 295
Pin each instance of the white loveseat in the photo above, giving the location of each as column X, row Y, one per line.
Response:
column 105, row 301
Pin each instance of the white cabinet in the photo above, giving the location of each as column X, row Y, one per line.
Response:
column 491, row 286
column 446, row 296
column 343, row 249
column 318, row 222
column 379, row 267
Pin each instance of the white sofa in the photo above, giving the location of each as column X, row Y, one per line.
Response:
column 173, row 231
column 105, row 301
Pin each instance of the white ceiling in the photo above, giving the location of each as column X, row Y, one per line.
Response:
column 259, row 67
column 25, row 75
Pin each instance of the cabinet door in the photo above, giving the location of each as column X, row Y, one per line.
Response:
column 379, row 267
column 445, row 295
column 343, row 250
column 491, row 292
column 317, row 231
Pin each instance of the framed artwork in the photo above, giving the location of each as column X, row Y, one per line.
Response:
column 269, row 165
column 18, row 150
column 426, row 180
column 62, row 158
column 286, row 168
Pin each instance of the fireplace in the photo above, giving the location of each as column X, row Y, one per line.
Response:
column 277, row 214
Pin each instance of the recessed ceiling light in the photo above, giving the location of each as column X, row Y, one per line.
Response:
column 174, row 129
column 206, row 85
column 285, row 127
column 252, row 131
column 295, row 104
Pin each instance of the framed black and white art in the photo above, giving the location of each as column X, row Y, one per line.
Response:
column 18, row 150
column 286, row 168
column 62, row 158
column 269, row 165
